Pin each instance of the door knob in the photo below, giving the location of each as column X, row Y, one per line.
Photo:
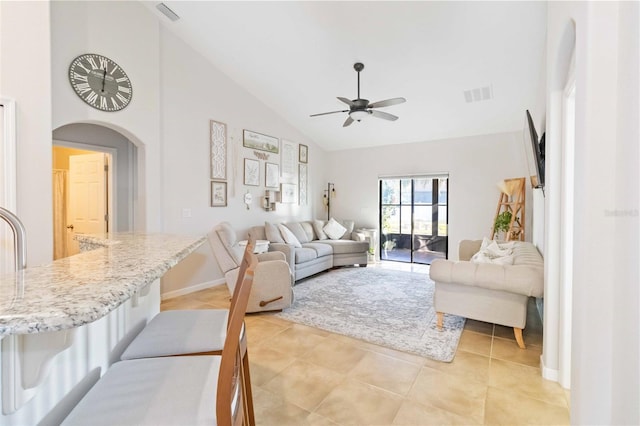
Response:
column 70, row 227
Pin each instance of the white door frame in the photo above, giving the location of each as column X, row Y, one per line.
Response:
column 112, row 205
column 8, row 168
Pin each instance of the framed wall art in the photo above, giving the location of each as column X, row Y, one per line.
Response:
column 304, row 154
column 271, row 175
column 259, row 141
column 302, row 184
column 288, row 193
column 218, row 149
column 251, row 172
column 288, row 159
column 218, row 194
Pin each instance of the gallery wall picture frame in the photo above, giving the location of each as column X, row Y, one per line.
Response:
column 218, row 194
column 218, row 149
column 302, row 184
column 251, row 172
column 288, row 193
column 288, row 151
column 255, row 140
column 271, row 175
column 304, row 154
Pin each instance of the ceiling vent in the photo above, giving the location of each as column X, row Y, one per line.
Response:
column 164, row 9
column 479, row 94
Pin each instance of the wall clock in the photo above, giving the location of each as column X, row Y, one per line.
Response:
column 100, row 82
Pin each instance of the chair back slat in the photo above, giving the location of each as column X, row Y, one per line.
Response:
column 229, row 404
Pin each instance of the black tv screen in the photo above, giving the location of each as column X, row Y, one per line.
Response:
column 535, row 154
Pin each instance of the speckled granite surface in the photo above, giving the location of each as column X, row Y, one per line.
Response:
column 80, row 289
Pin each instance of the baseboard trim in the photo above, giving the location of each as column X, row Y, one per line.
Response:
column 548, row 373
column 192, row 289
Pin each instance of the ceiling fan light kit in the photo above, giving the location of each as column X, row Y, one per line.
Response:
column 360, row 109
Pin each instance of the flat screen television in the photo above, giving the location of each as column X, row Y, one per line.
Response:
column 535, row 150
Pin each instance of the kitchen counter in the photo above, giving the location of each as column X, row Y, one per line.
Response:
column 80, row 289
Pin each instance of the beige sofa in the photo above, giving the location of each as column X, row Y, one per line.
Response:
column 489, row 292
column 316, row 251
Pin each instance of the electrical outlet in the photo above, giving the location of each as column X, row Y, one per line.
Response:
column 186, row 212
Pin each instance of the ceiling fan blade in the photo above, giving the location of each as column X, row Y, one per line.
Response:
column 388, row 102
column 346, row 101
column 348, row 122
column 384, row 115
column 325, row 113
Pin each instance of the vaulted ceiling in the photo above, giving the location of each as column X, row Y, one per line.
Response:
column 297, row 57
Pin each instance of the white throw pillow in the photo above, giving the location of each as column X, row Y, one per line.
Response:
column 492, row 252
column 288, row 236
column 334, row 230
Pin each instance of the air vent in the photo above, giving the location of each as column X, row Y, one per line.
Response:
column 479, row 94
column 164, row 9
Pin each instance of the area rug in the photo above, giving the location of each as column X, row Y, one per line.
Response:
column 386, row 307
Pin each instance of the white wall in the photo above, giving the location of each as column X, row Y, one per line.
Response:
column 605, row 384
column 475, row 165
column 194, row 92
column 127, row 33
column 25, row 71
column 175, row 94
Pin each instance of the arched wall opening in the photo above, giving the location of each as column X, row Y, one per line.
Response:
column 128, row 154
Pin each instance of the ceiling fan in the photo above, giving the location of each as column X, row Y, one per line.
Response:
column 361, row 108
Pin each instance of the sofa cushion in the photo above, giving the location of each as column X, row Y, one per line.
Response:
column 349, row 225
column 347, row 246
column 296, row 229
column 305, row 254
column 317, row 227
column 308, row 230
column 334, row 230
column 229, row 239
column 322, row 249
column 272, row 233
column 288, row 236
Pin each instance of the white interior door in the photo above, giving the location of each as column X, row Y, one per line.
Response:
column 87, row 209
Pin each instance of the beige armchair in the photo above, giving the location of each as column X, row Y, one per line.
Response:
column 272, row 284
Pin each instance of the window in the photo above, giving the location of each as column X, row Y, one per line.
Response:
column 413, row 218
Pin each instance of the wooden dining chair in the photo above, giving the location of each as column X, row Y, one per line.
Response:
column 196, row 332
column 175, row 390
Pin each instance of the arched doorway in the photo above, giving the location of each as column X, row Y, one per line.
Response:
column 120, row 180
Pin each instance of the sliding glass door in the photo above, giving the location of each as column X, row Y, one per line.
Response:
column 413, row 218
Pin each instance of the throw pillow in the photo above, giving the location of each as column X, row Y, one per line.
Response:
column 317, row 226
column 272, row 233
column 492, row 252
column 349, row 225
column 297, row 230
column 334, row 230
column 288, row 236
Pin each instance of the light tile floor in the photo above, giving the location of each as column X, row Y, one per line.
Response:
column 306, row 376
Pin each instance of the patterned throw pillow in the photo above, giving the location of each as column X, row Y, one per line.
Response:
column 334, row 230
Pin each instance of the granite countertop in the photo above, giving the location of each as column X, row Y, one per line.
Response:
column 80, row 289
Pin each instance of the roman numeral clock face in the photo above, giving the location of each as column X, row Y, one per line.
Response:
column 100, row 82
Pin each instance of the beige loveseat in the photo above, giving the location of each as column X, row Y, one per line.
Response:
column 312, row 251
column 489, row 292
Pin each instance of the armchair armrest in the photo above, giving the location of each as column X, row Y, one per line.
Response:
column 288, row 250
column 271, row 255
